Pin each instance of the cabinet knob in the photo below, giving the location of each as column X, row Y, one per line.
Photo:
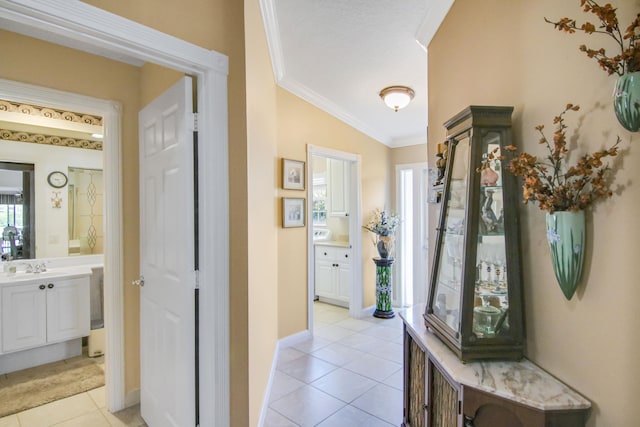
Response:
column 42, row 287
column 50, row 286
column 325, row 254
column 346, row 255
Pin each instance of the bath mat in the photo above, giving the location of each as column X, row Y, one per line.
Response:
column 43, row 384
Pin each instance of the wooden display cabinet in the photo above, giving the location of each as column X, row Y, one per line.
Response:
column 475, row 293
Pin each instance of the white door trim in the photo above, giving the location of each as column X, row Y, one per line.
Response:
column 356, row 298
column 82, row 26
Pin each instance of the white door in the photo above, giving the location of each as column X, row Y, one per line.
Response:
column 411, row 271
column 167, row 254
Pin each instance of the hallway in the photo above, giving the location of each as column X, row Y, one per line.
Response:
column 348, row 375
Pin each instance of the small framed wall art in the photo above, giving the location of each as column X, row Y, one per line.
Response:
column 293, row 212
column 292, row 174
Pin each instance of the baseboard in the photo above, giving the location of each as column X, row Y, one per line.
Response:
column 294, row 339
column 267, row 395
column 285, row 342
column 367, row 312
column 132, row 398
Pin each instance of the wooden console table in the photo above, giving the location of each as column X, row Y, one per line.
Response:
column 441, row 391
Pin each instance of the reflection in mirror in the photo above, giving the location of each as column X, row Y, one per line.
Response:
column 53, row 142
column 85, row 211
column 16, row 213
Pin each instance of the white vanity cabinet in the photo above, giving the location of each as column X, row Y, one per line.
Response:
column 43, row 311
column 333, row 274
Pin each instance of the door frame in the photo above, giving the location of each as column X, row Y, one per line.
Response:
column 356, row 297
column 82, row 26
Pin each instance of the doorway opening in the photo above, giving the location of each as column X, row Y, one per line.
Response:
column 84, row 27
column 335, row 238
column 70, row 354
column 413, row 251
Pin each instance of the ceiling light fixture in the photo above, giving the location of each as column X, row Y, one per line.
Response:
column 397, row 97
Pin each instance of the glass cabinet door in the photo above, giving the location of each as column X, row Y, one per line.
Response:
column 449, row 273
column 475, row 288
column 491, row 302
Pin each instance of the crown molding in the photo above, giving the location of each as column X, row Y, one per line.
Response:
column 436, row 13
column 323, row 103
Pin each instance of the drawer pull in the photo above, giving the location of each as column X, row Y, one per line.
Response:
column 50, row 286
column 42, row 287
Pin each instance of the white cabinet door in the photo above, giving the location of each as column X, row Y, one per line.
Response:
column 338, row 187
column 343, row 279
column 24, row 322
column 68, row 309
column 325, row 286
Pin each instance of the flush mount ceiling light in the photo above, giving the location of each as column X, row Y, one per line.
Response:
column 397, row 97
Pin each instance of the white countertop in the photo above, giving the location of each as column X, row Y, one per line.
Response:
column 522, row 382
column 334, row 243
column 51, row 273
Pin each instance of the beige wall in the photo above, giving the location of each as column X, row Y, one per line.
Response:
column 403, row 156
column 516, row 59
column 262, row 207
column 301, row 124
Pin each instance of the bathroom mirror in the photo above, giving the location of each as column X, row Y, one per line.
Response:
column 61, row 213
column 85, row 211
column 17, row 221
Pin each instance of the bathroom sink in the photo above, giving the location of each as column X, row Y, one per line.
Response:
column 321, row 234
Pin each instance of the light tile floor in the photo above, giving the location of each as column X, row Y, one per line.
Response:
column 348, row 375
column 82, row 410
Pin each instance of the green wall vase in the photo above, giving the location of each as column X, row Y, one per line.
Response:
column 566, row 237
column 626, row 101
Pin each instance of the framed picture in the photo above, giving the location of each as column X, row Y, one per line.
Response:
column 292, row 174
column 293, row 212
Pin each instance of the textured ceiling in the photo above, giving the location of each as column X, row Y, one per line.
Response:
column 339, row 54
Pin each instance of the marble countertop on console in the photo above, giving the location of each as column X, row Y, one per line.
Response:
column 522, row 382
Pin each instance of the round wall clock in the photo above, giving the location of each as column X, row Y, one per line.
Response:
column 57, row 179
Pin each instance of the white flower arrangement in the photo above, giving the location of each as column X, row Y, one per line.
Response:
column 383, row 223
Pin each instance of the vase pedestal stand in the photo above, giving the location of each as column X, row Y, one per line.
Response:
column 383, row 288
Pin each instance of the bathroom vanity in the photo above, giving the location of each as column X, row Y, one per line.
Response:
column 333, row 272
column 44, row 316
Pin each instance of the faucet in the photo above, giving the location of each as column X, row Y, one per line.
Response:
column 41, row 267
column 36, row 267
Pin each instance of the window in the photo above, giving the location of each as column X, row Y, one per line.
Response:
column 319, row 199
column 11, row 225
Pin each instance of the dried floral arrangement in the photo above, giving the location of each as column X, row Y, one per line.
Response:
column 628, row 60
column 550, row 182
